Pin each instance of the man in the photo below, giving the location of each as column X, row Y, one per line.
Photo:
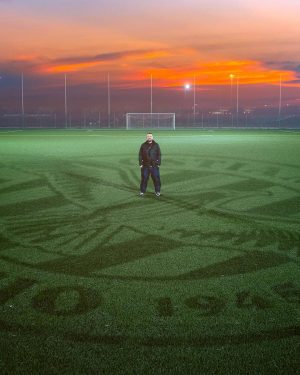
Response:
column 149, row 160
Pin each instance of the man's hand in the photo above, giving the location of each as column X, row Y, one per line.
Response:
column 141, row 166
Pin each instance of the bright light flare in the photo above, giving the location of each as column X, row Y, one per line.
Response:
column 187, row 86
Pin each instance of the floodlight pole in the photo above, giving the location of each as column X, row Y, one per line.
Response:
column 108, row 99
column 237, row 101
column 186, row 88
column 66, row 103
column 22, row 99
column 22, row 82
column 194, row 99
column 231, row 89
column 151, row 92
column 280, row 99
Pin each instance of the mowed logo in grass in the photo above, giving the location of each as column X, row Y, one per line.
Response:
column 213, row 261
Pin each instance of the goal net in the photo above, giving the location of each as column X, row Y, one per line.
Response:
column 150, row 121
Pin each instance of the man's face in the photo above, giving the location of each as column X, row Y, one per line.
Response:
column 149, row 138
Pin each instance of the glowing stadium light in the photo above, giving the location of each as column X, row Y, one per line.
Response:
column 187, row 86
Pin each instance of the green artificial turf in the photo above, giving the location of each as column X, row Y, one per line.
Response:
column 95, row 279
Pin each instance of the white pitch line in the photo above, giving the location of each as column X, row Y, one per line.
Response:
column 64, row 135
column 11, row 131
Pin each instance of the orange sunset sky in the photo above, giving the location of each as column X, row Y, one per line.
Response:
column 174, row 41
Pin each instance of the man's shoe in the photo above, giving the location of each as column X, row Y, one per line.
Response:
column 157, row 193
column 141, row 194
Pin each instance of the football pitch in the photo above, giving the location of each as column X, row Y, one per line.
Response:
column 201, row 280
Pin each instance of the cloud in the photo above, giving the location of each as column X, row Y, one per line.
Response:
column 295, row 81
column 169, row 67
column 285, row 65
column 77, row 63
column 214, row 73
column 101, row 57
column 33, row 64
column 20, row 64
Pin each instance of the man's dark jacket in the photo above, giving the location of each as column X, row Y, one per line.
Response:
column 149, row 154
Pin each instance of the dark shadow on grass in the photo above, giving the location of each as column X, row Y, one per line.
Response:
column 31, row 207
column 123, row 173
column 100, row 181
column 24, row 186
column 250, row 262
column 107, row 256
column 152, row 341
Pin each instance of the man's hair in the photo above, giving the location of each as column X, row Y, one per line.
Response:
column 149, row 133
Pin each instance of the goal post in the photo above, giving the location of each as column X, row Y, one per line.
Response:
column 135, row 121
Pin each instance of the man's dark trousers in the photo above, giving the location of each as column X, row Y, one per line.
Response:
column 145, row 173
